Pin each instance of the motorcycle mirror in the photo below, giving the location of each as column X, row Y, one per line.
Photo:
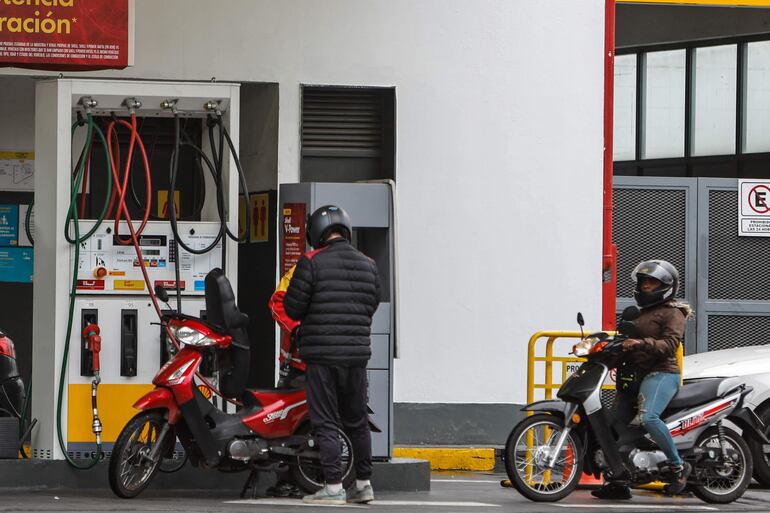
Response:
column 581, row 322
column 630, row 313
column 161, row 293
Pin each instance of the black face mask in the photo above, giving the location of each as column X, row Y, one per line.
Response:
column 656, row 297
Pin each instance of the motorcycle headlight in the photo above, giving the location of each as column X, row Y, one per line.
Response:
column 583, row 348
column 192, row 337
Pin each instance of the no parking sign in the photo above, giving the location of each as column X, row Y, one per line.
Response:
column 754, row 208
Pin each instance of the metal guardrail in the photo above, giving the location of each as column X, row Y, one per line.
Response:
column 549, row 359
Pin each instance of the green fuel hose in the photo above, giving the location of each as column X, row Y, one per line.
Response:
column 28, row 222
column 76, row 240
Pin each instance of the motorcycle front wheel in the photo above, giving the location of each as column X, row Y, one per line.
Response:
column 527, row 451
column 725, row 482
column 130, row 469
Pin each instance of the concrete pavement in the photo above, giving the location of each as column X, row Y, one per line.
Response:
column 450, row 492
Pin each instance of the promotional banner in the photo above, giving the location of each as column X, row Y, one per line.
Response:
column 293, row 244
column 69, row 35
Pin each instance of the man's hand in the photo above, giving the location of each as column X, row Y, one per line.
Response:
column 631, row 344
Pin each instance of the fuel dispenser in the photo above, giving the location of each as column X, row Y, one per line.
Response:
column 371, row 209
column 95, row 318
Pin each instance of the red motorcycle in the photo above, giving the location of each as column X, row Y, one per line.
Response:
column 270, row 430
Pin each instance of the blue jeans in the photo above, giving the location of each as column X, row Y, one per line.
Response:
column 655, row 392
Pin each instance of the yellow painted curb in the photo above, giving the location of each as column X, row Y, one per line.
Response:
column 442, row 458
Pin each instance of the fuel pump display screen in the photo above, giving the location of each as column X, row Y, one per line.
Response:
column 152, row 241
column 109, row 266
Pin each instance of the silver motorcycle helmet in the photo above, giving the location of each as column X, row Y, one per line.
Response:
column 662, row 271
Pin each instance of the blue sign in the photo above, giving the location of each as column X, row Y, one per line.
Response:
column 9, row 225
column 16, row 264
column 200, row 285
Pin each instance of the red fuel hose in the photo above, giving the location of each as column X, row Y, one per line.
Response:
column 116, row 152
column 122, row 210
column 122, row 189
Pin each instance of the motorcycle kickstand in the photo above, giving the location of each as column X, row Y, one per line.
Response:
column 250, row 486
column 253, row 480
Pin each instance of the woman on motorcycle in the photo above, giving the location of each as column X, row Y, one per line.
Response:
column 652, row 357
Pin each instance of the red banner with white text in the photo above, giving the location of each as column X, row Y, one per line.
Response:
column 66, row 35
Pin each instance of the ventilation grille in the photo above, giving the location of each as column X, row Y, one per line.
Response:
column 88, row 455
column 41, row 454
column 737, row 267
column 649, row 224
column 726, row 331
column 341, row 122
column 607, row 398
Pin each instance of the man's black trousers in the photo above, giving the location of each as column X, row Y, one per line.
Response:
column 336, row 397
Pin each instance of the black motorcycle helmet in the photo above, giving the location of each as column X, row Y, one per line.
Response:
column 662, row 271
column 325, row 220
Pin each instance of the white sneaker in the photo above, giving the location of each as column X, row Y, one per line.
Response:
column 326, row 496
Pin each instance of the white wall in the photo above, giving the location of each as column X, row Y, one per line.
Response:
column 499, row 155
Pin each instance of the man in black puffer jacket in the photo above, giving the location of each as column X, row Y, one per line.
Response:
column 335, row 291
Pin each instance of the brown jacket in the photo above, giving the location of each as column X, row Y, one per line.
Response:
column 661, row 330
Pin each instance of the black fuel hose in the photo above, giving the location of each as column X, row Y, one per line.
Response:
column 134, row 195
column 215, row 168
column 225, row 135
column 199, row 190
column 171, row 197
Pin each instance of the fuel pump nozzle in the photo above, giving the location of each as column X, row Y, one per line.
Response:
column 94, row 341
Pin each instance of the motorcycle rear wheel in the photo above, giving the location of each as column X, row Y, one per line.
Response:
column 729, row 483
column 526, row 452
column 130, row 471
column 308, row 472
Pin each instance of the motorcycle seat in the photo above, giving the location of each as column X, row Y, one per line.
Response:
column 250, row 396
column 699, row 391
column 275, row 390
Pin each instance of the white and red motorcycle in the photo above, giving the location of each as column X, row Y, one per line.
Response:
column 548, row 451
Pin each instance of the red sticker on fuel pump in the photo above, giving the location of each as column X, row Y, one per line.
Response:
column 169, row 284
column 90, row 285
